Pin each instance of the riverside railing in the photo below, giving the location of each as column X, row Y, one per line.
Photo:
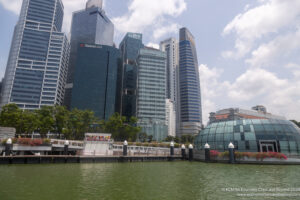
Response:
column 72, row 143
column 145, row 151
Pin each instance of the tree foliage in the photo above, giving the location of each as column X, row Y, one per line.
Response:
column 183, row 139
column 72, row 124
column 55, row 119
column 121, row 128
column 295, row 122
column 79, row 122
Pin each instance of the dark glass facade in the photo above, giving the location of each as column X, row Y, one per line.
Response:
column 95, row 79
column 90, row 26
column 252, row 135
column 189, row 85
column 129, row 47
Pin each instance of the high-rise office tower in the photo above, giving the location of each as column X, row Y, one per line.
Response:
column 151, row 93
column 95, row 79
column 130, row 47
column 170, row 46
column 90, row 26
column 37, row 65
column 189, row 82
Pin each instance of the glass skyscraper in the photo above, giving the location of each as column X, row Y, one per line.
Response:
column 90, row 26
column 151, row 93
column 189, row 85
column 95, row 79
column 36, row 70
column 130, row 46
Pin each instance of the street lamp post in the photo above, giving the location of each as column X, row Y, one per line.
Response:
column 231, row 153
column 125, row 144
column 66, row 147
column 191, row 152
column 172, row 148
column 207, row 152
column 8, row 147
column 183, row 152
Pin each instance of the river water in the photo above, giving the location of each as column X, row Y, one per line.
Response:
column 151, row 180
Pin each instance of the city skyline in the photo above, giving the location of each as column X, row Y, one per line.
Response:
column 257, row 77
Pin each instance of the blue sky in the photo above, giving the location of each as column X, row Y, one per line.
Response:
column 248, row 50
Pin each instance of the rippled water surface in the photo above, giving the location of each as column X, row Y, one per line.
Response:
column 156, row 180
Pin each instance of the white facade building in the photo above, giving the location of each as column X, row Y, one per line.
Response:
column 170, row 118
column 170, row 46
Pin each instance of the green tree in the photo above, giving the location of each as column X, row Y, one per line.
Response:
column 177, row 139
column 10, row 115
column 121, row 128
column 46, row 121
column 132, row 129
column 150, row 138
column 187, row 139
column 60, row 119
column 169, row 139
column 28, row 122
column 115, row 126
column 142, row 137
column 78, row 123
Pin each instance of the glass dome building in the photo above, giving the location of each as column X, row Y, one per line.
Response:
column 252, row 135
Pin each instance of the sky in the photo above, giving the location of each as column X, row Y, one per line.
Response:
column 248, row 50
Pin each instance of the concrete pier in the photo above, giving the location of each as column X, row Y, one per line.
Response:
column 82, row 159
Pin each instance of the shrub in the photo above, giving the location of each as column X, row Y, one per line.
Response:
column 31, row 142
column 14, row 140
column 154, row 144
column 224, row 154
column 138, row 144
column 36, row 142
column 46, row 141
column 3, row 142
column 214, row 153
column 24, row 141
column 239, row 155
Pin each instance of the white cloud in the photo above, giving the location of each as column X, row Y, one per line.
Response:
column 71, row 6
column 164, row 30
column 280, row 96
column 255, row 86
column 276, row 49
column 211, row 89
column 292, row 66
column 254, row 83
column 270, row 16
column 12, row 5
column 153, row 45
column 295, row 68
column 143, row 14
